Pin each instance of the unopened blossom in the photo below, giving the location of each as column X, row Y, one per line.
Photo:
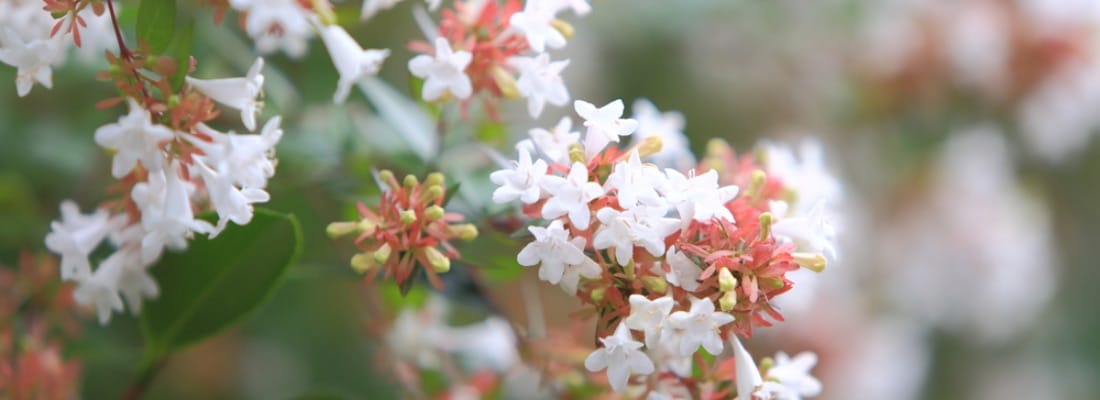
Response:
column 33, row 59
column 635, row 183
column 605, row 124
column 166, row 213
column 75, row 236
column 540, row 82
column 522, row 182
column 696, row 327
column 351, row 61
column 535, row 23
column 698, row 197
column 372, row 7
column 276, row 25
column 570, row 196
column 793, row 376
column 812, row 229
column 648, row 315
column 684, row 272
column 641, row 226
column 669, row 127
column 561, row 259
column 552, row 144
column 621, row 356
column 134, row 138
column 238, row 93
column 443, row 72
column 748, row 376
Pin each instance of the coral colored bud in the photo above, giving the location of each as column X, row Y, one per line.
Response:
column 597, row 294
column 387, row 177
column 382, row 254
column 765, row 225
column 411, row 181
column 655, row 284
column 408, row 217
column 650, row 146
column 433, row 213
column 464, row 231
column 628, row 269
column 726, row 281
column 576, row 153
column 505, row 81
column 813, row 261
column 362, row 262
column 728, row 301
column 563, row 27
column 434, row 179
column 439, row 262
column 337, row 229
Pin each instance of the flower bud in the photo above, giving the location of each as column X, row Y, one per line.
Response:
column 726, row 281
column 411, row 181
column 362, row 262
column 433, row 213
column 563, row 27
column 576, row 153
column 387, row 177
column 408, row 217
column 464, row 231
column 765, row 225
column 728, row 301
column 772, row 282
column 439, row 262
column 655, row 284
column 812, row 261
column 338, row 229
column 650, row 146
column 382, row 254
column 432, row 194
column 434, row 179
column 505, row 81
column 366, row 225
column 756, row 184
column 597, row 294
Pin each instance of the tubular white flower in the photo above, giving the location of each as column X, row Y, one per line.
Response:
column 246, row 160
column 814, row 229
column 641, row 226
column 33, row 59
column 276, row 25
column 561, row 259
column 552, row 144
column 134, row 138
column 540, row 82
column 579, row 7
column 231, row 203
column 75, row 236
column 621, row 356
column 100, row 290
column 636, row 183
column 443, row 72
column 522, row 182
column 748, row 376
column 238, row 93
column 351, row 61
column 605, row 124
column 794, row 376
column 698, row 197
column 570, row 196
column 669, row 127
column 648, row 315
column 684, row 272
column 166, row 213
column 696, row 327
column 534, row 22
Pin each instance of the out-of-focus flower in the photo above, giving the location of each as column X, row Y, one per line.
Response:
column 696, row 327
column 134, row 138
column 535, row 22
column 793, row 376
column 605, row 124
column 552, row 145
column 522, row 183
column 443, row 72
column 239, row 93
column 276, row 25
column 33, row 59
column 75, row 236
column 540, row 82
column 351, row 61
column 669, row 127
column 621, row 356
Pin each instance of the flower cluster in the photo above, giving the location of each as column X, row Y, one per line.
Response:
column 408, row 231
column 481, row 47
column 170, row 165
column 34, row 43
column 680, row 259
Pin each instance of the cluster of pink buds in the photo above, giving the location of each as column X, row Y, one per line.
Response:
column 671, row 261
column 408, row 231
column 480, row 47
column 170, row 166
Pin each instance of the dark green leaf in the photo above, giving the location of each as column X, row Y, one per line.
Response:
column 450, row 193
column 180, row 51
column 497, row 266
column 216, row 282
column 156, row 23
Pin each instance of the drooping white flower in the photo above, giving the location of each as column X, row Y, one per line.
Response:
column 540, row 82
column 571, row 195
column 684, row 272
column 166, row 213
column 812, row 229
column 552, row 144
column 635, row 183
column 351, row 61
column 698, row 197
column 793, row 376
column 639, row 226
column 231, row 203
column 239, row 93
column 748, row 376
column 561, row 259
column 522, row 182
column 100, row 289
column 605, row 124
column 535, row 23
column 444, row 72
column 648, row 315
column 246, row 160
column 669, row 127
column 621, row 356
column 134, row 138
column 33, row 59
column 133, row 281
column 276, row 25
column 75, row 236
column 696, row 327
column 372, row 7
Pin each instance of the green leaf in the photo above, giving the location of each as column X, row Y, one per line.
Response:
column 156, row 23
column 180, row 51
column 403, row 114
column 216, row 282
column 496, row 266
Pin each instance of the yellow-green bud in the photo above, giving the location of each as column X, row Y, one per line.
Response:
column 408, row 217
column 726, row 281
column 439, row 262
column 812, row 261
column 434, row 179
column 772, row 282
column 563, row 27
column 505, row 81
column 650, row 146
column 387, row 177
column 382, row 254
column 655, row 284
column 433, row 213
column 464, row 231
column 766, row 364
column 433, row 193
column 628, row 269
column 362, row 262
column 411, row 181
column 756, row 185
column 728, row 301
column 576, row 153
column 765, row 225
column 597, row 294
column 341, row 228
column 366, row 225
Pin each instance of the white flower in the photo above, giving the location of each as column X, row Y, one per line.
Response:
column 669, row 127
column 75, row 236
column 247, row 160
column 553, row 144
column 351, row 61
column 534, row 22
column 621, row 356
column 698, row 197
column 570, row 196
column 522, row 182
column 648, row 315
column 133, row 280
column 794, row 376
column 813, row 229
column 636, row 184
column 276, row 25
column 748, row 376
column 684, row 272
column 166, row 213
column 135, row 137
column 696, row 327
column 32, row 59
column 561, row 258
column 642, row 226
column 231, row 203
column 372, row 7
column 239, row 93
column 605, row 124
column 540, row 82
column 444, row 72
column 805, row 173
column 579, row 7
column 100, row 289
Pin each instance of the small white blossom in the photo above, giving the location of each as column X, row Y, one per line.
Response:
column 247, row 160
column 621, row 356
column 133, row 280
column 231, row 203
column 372, row 7
column 552, row 144
column 698, row 197
column 535, row 23
column 100, row 290
column 166, row 213
column 748, row 376
column 684, row 272
column 605, row 124
column 579, row 7
column 806, row 173
column 561, row 258
column 135, row 137
column 33, row 59
column 793, row 376
column 351, row 61
column 669, row 127
column 648, row 315
column 696, row 327
column 238, row 93
column 444, row 72
column 75, row 236
column 570, row 196
column 635, row 183
column 523, row 182
column 813, row 229
column 640, row 226
column 276, row 25
column 540, row 82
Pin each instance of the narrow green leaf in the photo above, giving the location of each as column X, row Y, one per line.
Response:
column 156, row 23
column 216, row 282
column 404, row 115
column 180, row 51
